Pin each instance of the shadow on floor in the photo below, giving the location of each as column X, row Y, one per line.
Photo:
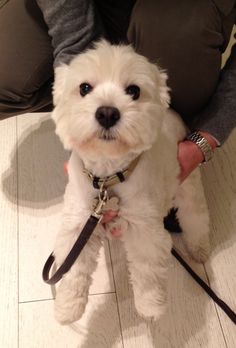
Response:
column 37, row 166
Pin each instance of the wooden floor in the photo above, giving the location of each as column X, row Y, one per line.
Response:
column 32, row 185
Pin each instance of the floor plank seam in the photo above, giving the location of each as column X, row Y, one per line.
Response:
column 102, row 293
column 117, row 302
column 33, row 301
column 216, row 308
column 52, row 299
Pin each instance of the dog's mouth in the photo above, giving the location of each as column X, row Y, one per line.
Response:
column 107, row 135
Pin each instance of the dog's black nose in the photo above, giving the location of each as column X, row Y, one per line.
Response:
column 107, row 116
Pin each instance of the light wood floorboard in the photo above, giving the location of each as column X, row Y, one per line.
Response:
column 8, row 237
column 220, row 186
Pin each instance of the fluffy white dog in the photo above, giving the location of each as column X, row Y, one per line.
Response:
column 111, row 106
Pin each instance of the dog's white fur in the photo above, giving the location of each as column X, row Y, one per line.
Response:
column 148, row 127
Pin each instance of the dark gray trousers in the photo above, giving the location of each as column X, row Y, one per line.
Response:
column 186, row 37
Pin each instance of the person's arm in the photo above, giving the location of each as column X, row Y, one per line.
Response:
column 73, row 25
column 219, row 117
column 216, row 121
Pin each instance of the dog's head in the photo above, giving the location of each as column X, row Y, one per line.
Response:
column 109, row 102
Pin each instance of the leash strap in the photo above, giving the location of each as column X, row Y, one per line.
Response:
column 73, row 254
column 231, row 314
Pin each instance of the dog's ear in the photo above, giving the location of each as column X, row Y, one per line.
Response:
column 59, row 82
column 160, row 79
column 164, row 89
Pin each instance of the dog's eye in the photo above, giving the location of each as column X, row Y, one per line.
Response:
column 133, row 91
column 85, row 88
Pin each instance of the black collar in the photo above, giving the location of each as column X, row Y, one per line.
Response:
column 111, row 180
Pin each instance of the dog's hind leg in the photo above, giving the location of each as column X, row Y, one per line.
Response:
column 193, row 216
column 147, row 248
column 72, row 293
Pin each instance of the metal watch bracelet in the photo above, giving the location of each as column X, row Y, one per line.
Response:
column 203, row 144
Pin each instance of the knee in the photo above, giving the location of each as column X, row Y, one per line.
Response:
column 184, row 37
column 159, row 25
column 23, row 91
column 26, row 57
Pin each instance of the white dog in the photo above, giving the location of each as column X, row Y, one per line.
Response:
column 111, row 106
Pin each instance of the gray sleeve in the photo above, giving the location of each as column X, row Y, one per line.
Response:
column 219, row 116
column 72, row 24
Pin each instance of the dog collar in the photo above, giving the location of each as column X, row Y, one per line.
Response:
column 99, row 183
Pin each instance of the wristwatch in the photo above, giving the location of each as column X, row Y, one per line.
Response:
column 203, row 144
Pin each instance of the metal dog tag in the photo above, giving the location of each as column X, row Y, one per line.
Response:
column 111, row 204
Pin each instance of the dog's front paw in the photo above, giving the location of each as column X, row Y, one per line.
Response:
column 150, row 305
column 69, row 305
column 199, row 253
column 68, row 311
column 199, row 249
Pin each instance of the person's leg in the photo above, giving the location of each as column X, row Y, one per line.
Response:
column 186, row 38
column 26, row 59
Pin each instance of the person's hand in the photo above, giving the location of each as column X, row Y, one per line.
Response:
column 190, row 155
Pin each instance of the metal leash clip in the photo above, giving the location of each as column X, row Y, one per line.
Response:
column 102, row 200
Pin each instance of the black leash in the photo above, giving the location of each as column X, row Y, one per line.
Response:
column 73, row 254
column 231, row 314
column 81, row 241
